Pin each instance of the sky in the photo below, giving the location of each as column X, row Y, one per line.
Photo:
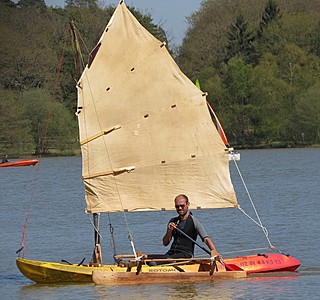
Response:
column 169, row 14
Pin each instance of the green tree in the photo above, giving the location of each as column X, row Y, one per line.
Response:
column 28, row 53
column 272, row 40
column 240, row 41
column 300, row 70
column 206, row 39
column 269, row 92
column 237, row 105
column 270, row 14
column 53, row 126
column 315, row 40
column 15, row 136
column 277, row 85
column 308, row 115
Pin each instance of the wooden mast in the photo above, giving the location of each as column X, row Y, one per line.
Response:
column 97, row 255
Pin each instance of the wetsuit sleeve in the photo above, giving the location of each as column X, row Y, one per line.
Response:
column 199, row 228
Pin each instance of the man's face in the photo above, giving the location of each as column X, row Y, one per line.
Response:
column 181, row 206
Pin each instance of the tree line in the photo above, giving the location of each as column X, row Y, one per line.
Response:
column 259, row 61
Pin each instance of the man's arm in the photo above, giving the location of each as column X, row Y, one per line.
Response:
column 211, row 245
column 203, row 234
column 167, row 237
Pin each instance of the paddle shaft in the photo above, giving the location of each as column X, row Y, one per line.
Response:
column 191, row 239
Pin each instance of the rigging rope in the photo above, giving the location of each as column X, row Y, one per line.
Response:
column 23, row 243
column 95, row 228
column 259, row 223
column 111, row 229
column 245, row 250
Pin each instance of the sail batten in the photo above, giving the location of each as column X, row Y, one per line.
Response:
column 104, row 132
column 110, row 172
column 166, row 130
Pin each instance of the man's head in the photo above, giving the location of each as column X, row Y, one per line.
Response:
column 181, row 203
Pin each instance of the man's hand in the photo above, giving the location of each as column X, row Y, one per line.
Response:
column 172, row 226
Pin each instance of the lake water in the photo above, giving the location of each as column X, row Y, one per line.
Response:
column 284, row 186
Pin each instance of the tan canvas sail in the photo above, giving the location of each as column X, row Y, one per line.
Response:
column 146, row 133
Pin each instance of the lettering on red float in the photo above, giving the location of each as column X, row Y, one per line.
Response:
column 260, row 262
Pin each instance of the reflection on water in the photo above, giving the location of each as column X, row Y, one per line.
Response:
column 273, row 276
column 169, row 291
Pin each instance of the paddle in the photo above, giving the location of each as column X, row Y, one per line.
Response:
column 191, row 239
column 229, row 267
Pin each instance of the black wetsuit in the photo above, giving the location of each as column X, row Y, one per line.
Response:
column 181, row 246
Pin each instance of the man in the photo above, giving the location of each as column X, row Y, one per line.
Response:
column 182, row 247
column 5, row 159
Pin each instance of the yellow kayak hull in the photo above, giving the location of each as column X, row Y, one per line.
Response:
column 53, row 272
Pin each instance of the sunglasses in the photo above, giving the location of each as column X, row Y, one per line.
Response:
column 182, row 206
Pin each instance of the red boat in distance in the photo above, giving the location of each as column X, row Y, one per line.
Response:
column 20, row 163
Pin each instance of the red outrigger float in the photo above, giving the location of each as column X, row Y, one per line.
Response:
column 263, row 263
column 20, row 163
